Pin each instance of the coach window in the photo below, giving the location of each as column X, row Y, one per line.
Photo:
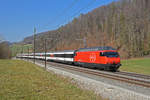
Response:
column 69, row 56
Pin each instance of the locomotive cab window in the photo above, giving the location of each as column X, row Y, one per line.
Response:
column 102, row 54
column 109, row 54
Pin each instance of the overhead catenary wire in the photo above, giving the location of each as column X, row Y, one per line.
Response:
column 76, row 13
column 61, row 14
column 89, row 4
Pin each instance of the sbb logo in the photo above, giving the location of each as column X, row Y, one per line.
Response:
column 92, row 57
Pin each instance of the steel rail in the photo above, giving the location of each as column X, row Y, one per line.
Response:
column 134, row 75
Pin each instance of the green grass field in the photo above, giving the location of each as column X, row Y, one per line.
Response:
column 140, row 65
column 20, row 80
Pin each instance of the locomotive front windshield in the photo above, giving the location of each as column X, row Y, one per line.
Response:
column 109, row 54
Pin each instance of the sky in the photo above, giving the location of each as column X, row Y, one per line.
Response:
column 19, row 17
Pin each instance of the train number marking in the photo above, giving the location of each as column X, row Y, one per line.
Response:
column 92, row 57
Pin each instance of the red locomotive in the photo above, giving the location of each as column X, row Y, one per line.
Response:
column 106, row 58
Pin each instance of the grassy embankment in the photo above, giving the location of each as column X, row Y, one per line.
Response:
column 139, row 65
column 21, row 80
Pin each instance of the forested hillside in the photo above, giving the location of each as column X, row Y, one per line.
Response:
column 124, row 25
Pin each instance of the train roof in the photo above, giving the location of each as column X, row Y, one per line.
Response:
column 62, row 52
column 58, row 52
column 96, row 48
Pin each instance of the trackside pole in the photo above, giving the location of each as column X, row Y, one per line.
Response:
column 45, row 46
column 22, row 53
column 45, row 53
column 34, row 43
column 28, row 54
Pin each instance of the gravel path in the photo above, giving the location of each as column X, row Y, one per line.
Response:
column 107, row 88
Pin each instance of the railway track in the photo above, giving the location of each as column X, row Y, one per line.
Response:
column 134, row 75
column 132, row 78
